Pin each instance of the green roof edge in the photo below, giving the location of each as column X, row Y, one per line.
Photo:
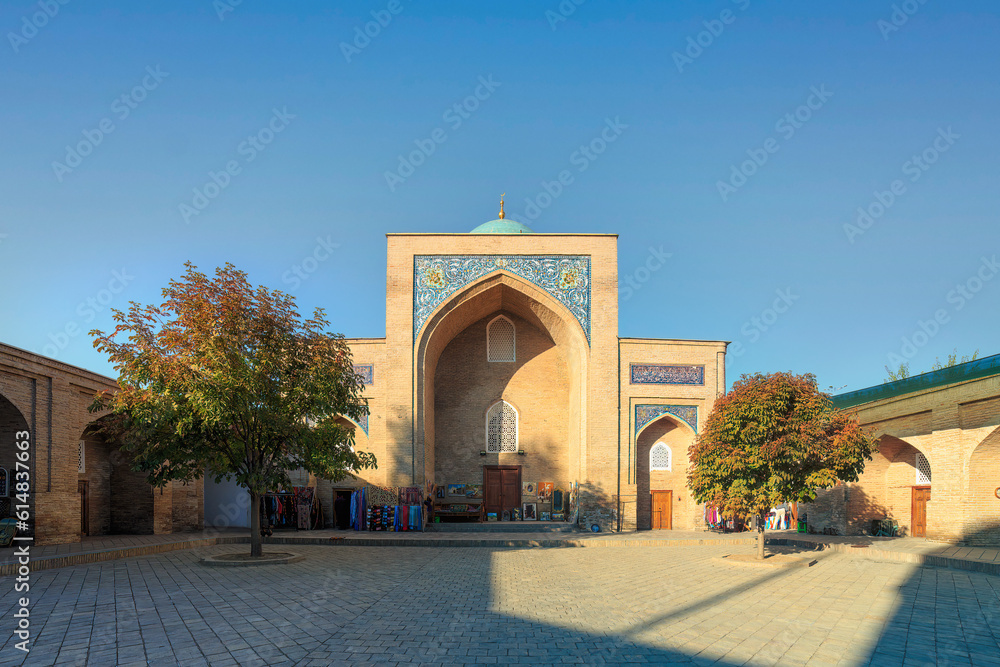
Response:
column 970, row 370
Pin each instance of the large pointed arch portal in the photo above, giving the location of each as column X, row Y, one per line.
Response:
column 453, row 321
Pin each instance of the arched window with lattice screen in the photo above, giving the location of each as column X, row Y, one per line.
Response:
column 660, row 457
column 500, row 339
column 923, row 467
column 501, row 428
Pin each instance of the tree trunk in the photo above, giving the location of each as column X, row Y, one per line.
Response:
column 759, row 520
column 256, row 548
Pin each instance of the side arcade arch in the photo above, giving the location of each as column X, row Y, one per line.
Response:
column 14, row 429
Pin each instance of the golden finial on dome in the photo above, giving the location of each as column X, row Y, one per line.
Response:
column 501, row 205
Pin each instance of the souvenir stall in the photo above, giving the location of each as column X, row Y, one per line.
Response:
column 297, row 509
column 715, row 521
column 378, row 508
column 783, row 517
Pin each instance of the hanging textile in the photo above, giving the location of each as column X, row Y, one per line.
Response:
column 382, row 495
column 410, row 495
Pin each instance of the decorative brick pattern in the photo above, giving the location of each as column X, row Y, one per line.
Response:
column 565, row 277
column 659, row 374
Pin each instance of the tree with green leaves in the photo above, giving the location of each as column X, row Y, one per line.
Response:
column 774, row 439
column 227, row 378
column 903, row 371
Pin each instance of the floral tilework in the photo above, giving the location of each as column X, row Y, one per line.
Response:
column 656, row 374
column 367, row 373
column 565, row 277
column 645, row 414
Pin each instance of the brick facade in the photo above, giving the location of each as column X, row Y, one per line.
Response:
column 957, row 428
column 50, row 399
column 570, row 384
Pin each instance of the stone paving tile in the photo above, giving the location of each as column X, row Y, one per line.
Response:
column 407, row 605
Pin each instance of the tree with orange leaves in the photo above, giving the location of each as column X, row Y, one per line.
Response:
column 229, row 378
column 773, row 439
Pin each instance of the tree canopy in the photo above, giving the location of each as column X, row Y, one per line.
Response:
column 773, row 439
column 953, row 359
column 229, row 378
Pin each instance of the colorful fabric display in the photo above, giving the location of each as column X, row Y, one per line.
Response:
column 410, row 495
column 382, row 495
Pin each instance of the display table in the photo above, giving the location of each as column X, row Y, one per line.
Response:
column 444, row 513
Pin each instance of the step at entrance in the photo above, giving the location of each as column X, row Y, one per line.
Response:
column 503, row 527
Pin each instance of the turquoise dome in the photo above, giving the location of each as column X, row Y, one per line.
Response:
column 502, row 227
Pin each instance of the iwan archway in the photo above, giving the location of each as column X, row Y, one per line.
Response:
column 501, row 342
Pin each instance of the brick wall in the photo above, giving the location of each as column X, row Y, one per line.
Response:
column 635, row 477
column 51, row 400
column 956, row 428
column 131, row 508
column 467, row 385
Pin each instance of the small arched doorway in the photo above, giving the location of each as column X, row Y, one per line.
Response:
column 661, row 475
column 907, row 484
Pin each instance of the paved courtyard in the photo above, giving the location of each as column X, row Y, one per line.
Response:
column 348, row 605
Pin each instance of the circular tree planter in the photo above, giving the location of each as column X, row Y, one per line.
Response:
column 246, row 560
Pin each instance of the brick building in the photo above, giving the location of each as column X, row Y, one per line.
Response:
column 937, row 471
column 502, row 367
column 79, row 483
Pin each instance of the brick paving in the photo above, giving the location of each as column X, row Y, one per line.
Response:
column 405, row 605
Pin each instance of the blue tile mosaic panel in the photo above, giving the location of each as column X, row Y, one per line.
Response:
column 437, row 277
column 657, row 374
column 367, row 373
column 362, row 423
column 645, row 414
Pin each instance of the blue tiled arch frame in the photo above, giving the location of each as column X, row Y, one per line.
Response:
column 438, row 277
column 644, row 415
column 363, row 424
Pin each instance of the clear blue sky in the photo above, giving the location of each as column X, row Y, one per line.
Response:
column 196, row 87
